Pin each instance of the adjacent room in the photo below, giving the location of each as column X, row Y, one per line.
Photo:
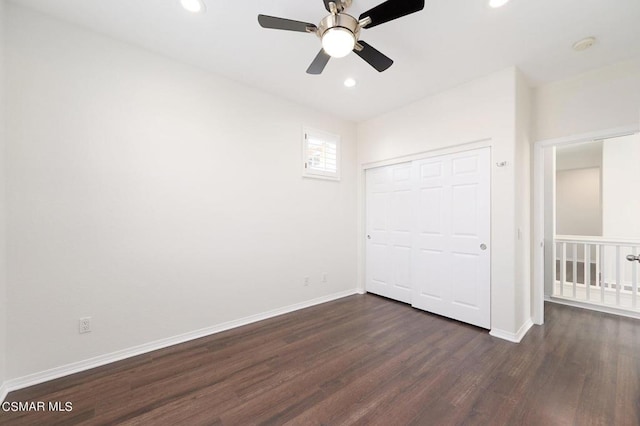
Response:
column 327, row 212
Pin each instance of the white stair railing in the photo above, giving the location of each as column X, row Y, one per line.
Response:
column 597, row 270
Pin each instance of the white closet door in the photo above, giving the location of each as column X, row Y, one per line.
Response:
column 451, row 252
column 389, row 231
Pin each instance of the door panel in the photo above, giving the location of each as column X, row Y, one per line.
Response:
column 454, row 225
column 430, row 205
column 402, row 266
column 429, row 270
column 464, row 275
column 390, row 231
column 464, row 221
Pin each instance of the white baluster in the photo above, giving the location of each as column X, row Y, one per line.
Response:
column 603, row 278
column 587, row 270
column 597, row 277
column 575, row 268
column 634, row 280
column 555, row 266
column 618, row 268
column 563, row 268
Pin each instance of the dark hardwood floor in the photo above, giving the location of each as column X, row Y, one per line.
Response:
column 371, row 361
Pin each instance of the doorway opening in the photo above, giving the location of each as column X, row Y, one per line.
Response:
column 588, row 220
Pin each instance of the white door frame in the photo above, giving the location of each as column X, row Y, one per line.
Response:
column 539, row 205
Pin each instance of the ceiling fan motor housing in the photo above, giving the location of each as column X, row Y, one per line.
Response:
column 341, row 20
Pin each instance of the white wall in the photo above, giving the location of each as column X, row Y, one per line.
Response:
column 621, row 203
column 579, row 156
column 154, row 197
column 3, row 270
column 578, row 202
column 484, row 109
column 620, row 187
column 602, row 99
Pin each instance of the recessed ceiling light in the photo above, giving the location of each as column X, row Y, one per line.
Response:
column 497, row 3
column 584, row 44
column 349, row 82
column 194, row 6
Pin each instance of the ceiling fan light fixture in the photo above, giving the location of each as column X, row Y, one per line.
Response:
column 194, row 6
column 340, row 32
column 338, row 42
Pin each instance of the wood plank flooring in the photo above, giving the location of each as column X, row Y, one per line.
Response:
column 369, row 361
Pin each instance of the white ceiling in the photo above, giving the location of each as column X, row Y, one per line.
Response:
column 450, row 42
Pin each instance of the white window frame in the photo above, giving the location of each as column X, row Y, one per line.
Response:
column 308, row 171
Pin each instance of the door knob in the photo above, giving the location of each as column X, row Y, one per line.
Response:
column 483, row 246
column 632, row 258
column 368, row 237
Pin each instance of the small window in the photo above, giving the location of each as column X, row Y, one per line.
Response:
column 320, row 154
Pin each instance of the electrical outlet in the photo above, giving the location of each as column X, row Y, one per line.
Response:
column 84, row 325
column 306, row 281
column 324, row 277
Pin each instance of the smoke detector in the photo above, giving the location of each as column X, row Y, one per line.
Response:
column 584, row 44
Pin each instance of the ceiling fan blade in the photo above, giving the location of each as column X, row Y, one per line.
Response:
column 326, row 4
column 373, row 57
column 390, row 10
column 318, row 64
column 285, row 24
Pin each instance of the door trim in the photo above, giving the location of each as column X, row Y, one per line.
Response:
column 423, row 155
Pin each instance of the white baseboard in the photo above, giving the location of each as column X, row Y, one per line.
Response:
column 77, row 367
column 513, row 337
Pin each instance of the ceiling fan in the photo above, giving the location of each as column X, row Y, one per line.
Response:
column 340, row 32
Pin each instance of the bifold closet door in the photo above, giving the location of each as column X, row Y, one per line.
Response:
column 451, row 263
column 389, row 198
